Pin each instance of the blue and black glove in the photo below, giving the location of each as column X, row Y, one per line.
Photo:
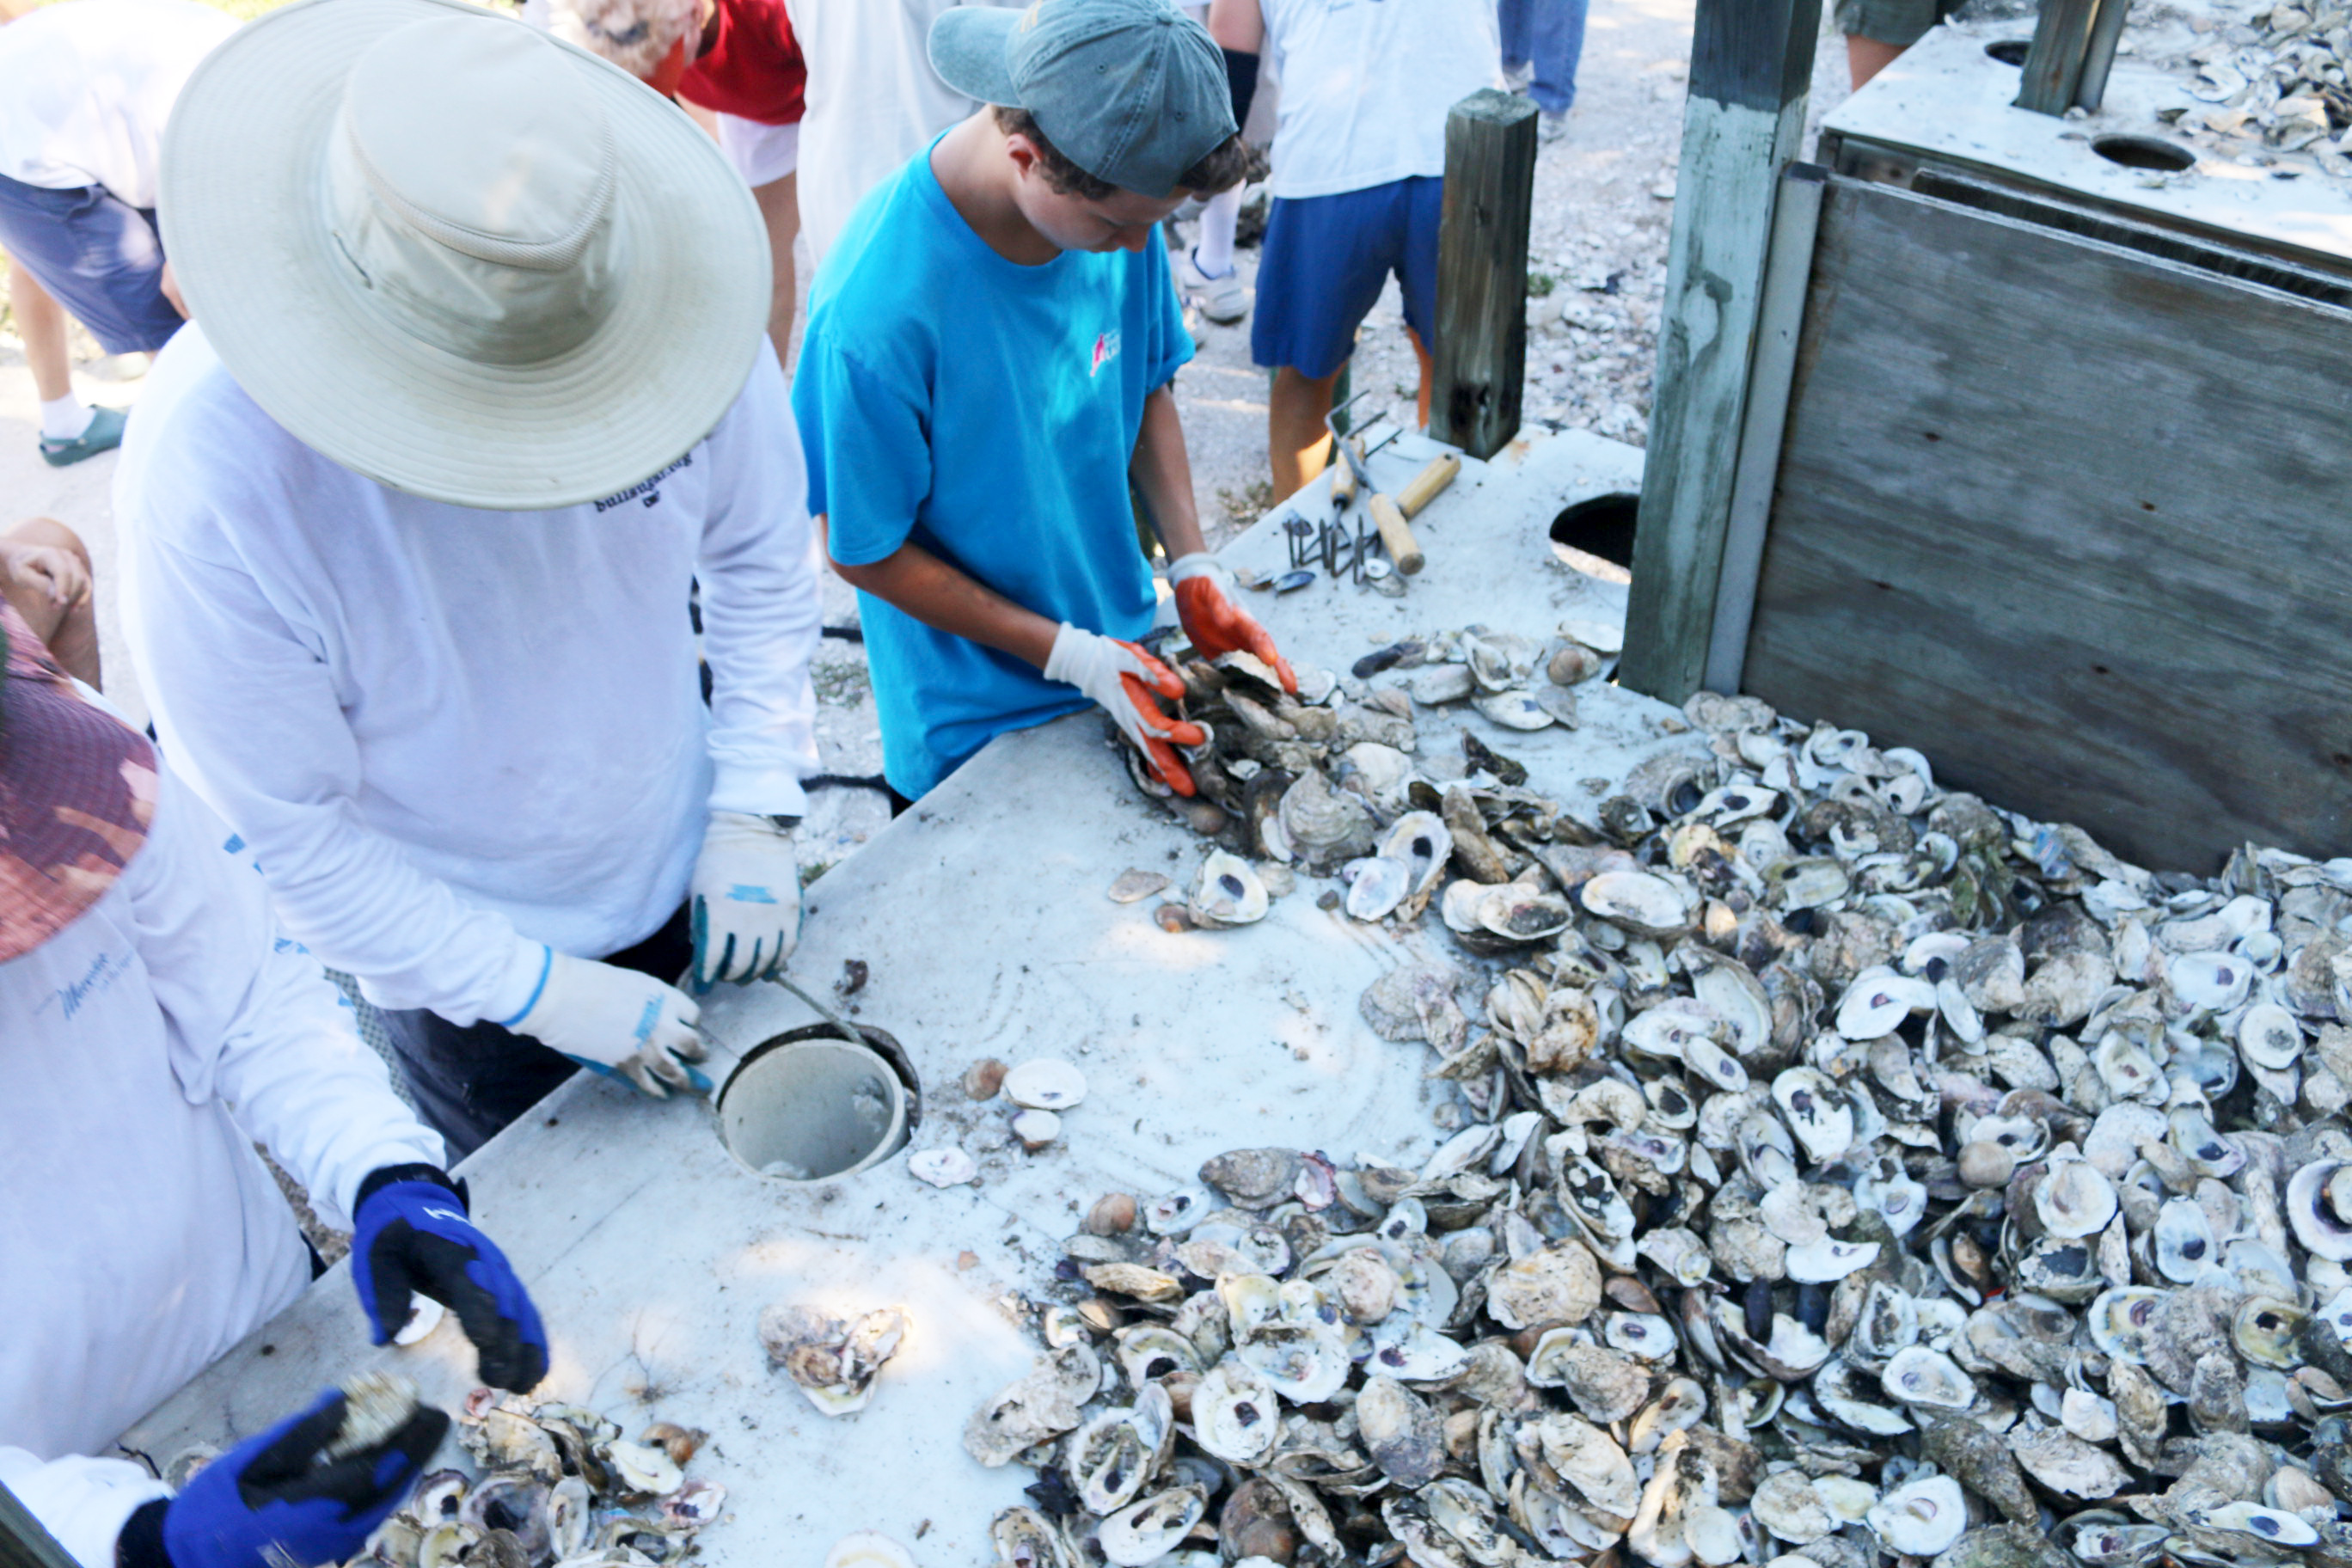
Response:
column 278, row 1499
column 411, row 1233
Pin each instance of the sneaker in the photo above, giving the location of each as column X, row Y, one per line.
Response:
column 104, row 434
column 1223, row 299
column 1552, row 127
column 1521, row 76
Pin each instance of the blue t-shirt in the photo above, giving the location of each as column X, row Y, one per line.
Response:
column 986, row 411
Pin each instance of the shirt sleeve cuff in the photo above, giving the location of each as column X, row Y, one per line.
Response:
column 757, row 791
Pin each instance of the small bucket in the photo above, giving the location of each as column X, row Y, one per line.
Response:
column 811, row 1110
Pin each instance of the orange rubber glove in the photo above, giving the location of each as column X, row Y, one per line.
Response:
column 1213, row 622
column 1124, row 678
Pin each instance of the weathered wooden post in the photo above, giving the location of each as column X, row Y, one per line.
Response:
column 1481, row 350
column 24, row 1543
column 2074, row 48
column 1751, row 63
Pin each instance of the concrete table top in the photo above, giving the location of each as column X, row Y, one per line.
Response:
column 982, row 920
column 1949, row 102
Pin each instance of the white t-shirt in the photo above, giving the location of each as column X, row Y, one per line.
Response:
column 1366, row 85
column 87, row 85
column 873, row 102
column 145, row 1046
column 451, row 735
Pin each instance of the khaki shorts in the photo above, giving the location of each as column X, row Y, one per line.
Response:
column 1898, row 22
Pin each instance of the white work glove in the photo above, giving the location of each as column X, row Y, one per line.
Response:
column 746, row 898
column 618, row 1023
column 1123, row 679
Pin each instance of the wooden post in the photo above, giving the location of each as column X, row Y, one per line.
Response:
column 2052, row 73
column 24, row 1542
column 1751, row 63
column 1481, row 350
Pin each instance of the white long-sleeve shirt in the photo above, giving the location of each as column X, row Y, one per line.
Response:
column 85, row 88
column 451, row 735
column 871, row 101
column 146, row 1046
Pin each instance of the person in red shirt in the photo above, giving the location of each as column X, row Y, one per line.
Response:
column 742, row 65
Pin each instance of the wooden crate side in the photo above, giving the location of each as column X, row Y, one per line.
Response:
column 2071, row 520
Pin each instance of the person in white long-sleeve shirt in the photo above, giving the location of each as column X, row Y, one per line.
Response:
column 409, row 566
column 153, row 1024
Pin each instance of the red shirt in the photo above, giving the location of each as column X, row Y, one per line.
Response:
column 753, row 69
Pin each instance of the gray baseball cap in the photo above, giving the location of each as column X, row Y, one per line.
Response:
column 1132, row 92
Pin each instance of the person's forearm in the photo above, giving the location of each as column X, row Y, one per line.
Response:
column 1163, row 474
column 914, row 580
column 1237, row 24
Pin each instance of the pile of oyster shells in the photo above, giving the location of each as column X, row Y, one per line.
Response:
column 1858, row 1172
column 2274, row 78
column 557, row 1484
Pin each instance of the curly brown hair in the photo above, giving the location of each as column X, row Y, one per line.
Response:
column 1221, row 170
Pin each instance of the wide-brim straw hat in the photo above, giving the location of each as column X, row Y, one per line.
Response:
column 458, row 255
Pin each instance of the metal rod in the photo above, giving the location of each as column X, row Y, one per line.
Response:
column 849, row 1031
column 2099, row 54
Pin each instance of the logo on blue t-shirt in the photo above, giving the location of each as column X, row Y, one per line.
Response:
column 1106, row 351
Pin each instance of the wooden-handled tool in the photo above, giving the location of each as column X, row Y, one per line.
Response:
column 1396, row 534
column 1428, row 484
column 1394, row 531
column 1343, row 474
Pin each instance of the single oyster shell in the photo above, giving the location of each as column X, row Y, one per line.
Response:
column 1234, row 1413
column 1822, row 1261
column 2316, row 1222
column 1522, row 913
column 1401, row 1431
column 1146, row 1531
column 2125, row 1323
column 1149, row 1351
column 948, row 1167
column 2268, row 1037
column 1817, row 1112
column 833, row 1360
column 1513, row 710
column 1044, row 1403
column 1589, row 1461
column 2065, row 1463
column 1557, row 1283
column 1025, row 1538
column 1879, row 1000
column 1228, row 892
column 1380, row 885
column 1919, row 1375
column 2275, row 1525
column 1046, row 1084
column 1922, row 1519
column 2183, row 1247
column 1787, row 1505
column 1642, row 903
column 1325, row 828
column 2074, row 1199
column 1110, row 1458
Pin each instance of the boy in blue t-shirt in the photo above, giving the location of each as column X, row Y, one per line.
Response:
column 987, row 366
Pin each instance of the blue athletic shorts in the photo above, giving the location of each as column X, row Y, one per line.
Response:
column 98, row 256
column 1327, row 259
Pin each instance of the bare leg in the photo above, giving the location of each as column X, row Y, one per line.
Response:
column 1865, row 57
column 780, row 204
column 41, row 322
column 66, row 622
column 1428, row 378
column 1297, row 445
